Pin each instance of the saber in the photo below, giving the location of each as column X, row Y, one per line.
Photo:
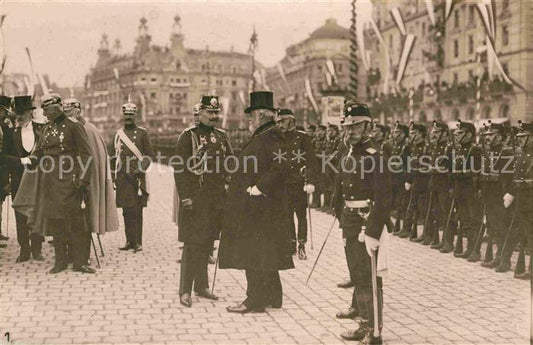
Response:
column 425, row 231
column 7, row 216
column 214, row 276
column 482, row 228
column 100, row 244
column 95, row 252
column 375, row 293
column 445, row 233
column 509, row 230
column 321, row 249
column 310, row 223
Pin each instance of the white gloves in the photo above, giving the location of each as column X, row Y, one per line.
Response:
column 309, row 188
column 371, row 245
column 407, row 186
column 25, row 161
column 253, row 191
column 507, row 200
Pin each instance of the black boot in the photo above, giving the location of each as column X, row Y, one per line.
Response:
column 491, row 264
column 503, row 267
column 301, row 252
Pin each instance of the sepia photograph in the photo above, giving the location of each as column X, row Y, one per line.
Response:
column 266, row 172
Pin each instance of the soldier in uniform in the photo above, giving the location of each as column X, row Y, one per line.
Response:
column 465, row 185
column 319, row 142
column 521, row 191
column 131, row 151
column 202, row 191
column 439, row 187
column 493, row 160
column 16, row 153
column 400, row 152
column 362, row 200
column 65, row 180
column 303, row 174
column 416, row 182
column 331, row 147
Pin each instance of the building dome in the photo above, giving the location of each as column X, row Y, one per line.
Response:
column 330, row 30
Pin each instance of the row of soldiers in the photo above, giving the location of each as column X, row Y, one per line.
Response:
column 458, row 183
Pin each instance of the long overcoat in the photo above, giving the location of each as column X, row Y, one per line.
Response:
column 255, row 230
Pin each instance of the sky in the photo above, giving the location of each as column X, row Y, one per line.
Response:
column 64, row 36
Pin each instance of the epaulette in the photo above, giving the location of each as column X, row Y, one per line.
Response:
column 221, row 130
column 72, row 120
column 144, row 129
column 301, row 132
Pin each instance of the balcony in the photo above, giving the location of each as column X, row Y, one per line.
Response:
column 176, row 84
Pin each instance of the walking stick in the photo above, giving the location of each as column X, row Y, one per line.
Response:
column 321, row 249
column 95, row 252
column 100, row 244
column 375, row 293
column 446, row 226
column 214, row 276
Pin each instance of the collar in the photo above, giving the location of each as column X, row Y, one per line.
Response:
column 264, row 127
column 130, row 126
column 60, row 118
column 205, row 127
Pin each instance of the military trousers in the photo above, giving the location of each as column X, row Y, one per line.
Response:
column 524, row 212
column 263, row 289
column 468, row 210
column 70, row 232
column 29, row 243
column 193, row 271
column 297, row 203
column 495, row 213
column 133, row 224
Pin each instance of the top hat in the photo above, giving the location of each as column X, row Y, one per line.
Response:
column 5, row 102
column 261, row 100
column 22, row 103
column 285, row 114
column 355, row 112
column 210, row 103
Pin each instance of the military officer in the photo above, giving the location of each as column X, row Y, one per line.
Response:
column 438, row 186
column 132, row 152
column 400, row 152
column 416, row 182
column 465, row 185
column 303, row 176
column 331, row 147
column 521, row 191
column 202, row 193
column 65, row 158
column 362, row 200
column 17, row 151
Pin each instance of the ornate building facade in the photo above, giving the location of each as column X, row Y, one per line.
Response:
column 447, row 60
column 164, row 82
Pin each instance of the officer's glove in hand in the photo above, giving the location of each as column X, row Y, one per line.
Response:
column 407, row 186
column 187, row 204
column 25, row 161
column 309, row 188
column 254, row 191
column 507, row 200
column 371, row 244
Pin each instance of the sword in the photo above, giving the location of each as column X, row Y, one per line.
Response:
column 95, row 252
column 7, row 216
column 321, row 249
column 100, row 244
column 481, row 229
column 214, row 276
column 448, row 222
column 303, row 172
column 375, row 293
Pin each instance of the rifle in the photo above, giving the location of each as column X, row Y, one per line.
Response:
column 447, row 225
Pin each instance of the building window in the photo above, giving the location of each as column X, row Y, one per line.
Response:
column 505, row 35
column 470, row 44
column 233, row 96
column 505, row 67
column 423, row 28
column 471, row 74
column 471, row 114
column 339, row 68
column 505, row 5
column 319, row 67
column 472, row 14
column 233, row 69
column 486, row 112
column 455, row 48
column 456, row 18
column 153, row 95
column 456, row 115
column 455, row 78
column 234, row 83
column 153, row 79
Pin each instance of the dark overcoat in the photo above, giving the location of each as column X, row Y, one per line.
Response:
column 255, row 232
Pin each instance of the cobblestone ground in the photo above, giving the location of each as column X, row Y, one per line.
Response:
column 430, row 298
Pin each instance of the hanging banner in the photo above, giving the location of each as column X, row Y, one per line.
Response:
column 282, row 74
column 492, row 52
column 431, row 11
column 309, row 93
column 387, row 57
column 331, row 69
column 263, row 79
column 448, row 9
column 398, row 19
column 404, row 58
column 225, row 108
column 143, row 105
column 241, row 97
column 328, row 78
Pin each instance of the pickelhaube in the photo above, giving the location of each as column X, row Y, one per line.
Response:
column 49, row 99
column 383, row 128
column 401, row 127
column 418, row 127
column 439, row 126
column 129, row 107
column 210, row 103
column 284, row 113
column 525, row 127
column 466, row 127
column 355, row 112
column 493, row 128
column 71, row 103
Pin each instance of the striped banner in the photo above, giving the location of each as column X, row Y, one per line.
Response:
column 448, row 9
column 309, row 94
column 404, row 57
column 431, row 11
column 411, row 103
column 387, row 56
column 398, row 19
column 282, row 74
column 354, row 69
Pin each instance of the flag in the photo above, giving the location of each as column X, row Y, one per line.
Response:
column 431, row 11
column 241, row 97
column 225, row 109
column 404, row 57
column 328, row 78
column 282, row 73
column 46, row 91
column 143, row 105
column 253, row 42
column 398, row 19
column 309, row 94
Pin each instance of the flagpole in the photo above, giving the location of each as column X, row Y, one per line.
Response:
column 353, row 54
column 253, row 45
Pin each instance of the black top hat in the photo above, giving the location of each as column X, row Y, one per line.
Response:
column 22, row 103
column 5, row 102
column 210, row 103
column 261, row 100
column 355, row 112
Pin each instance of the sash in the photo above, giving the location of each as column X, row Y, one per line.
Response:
column 121, row 136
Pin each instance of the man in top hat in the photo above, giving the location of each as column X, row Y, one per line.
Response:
column 132, row 152
column 521, row 190
column 416, row 182
column 401, row 151
column 255, row 232
column 101, row 197
column 201, row 181
column 16, row 152
column 362, row 203
column 5, row 132
column 465, row 185
column 303, row 176
column 65, row 158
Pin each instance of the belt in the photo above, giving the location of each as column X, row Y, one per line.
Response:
column 356, row 203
